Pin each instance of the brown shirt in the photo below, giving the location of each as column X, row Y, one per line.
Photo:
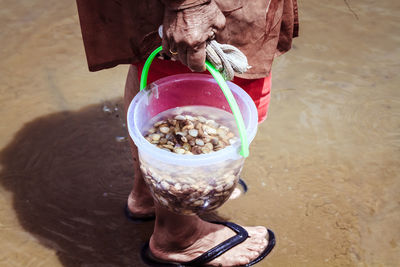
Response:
column 126, row 31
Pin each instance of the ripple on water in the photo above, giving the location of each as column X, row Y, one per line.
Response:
column 374, row 120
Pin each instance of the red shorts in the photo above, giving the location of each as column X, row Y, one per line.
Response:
column 258, row 89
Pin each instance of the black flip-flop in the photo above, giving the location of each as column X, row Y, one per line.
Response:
column 138, row 219
column 243, row 185
column 202, row 260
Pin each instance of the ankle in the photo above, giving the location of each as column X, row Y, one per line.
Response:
column 172, row 243
column 176, row 232
column 140, row 196
column 140, row 200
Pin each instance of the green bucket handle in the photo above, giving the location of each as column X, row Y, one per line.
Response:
column 244, row 151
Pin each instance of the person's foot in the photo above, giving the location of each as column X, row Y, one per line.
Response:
column 141, row 206
column 209, row 236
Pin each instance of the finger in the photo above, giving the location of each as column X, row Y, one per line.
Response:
column 182, row 54
column 220, row 21
column 165, row 46
column 196, row 58
column 168, row 43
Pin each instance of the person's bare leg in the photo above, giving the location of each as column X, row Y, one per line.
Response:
column 140, row 201
column 181, row 238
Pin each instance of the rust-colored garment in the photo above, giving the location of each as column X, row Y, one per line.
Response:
column 126, row 31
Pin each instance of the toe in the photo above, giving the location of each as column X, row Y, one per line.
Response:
column 217, row 262
column 254, row 255
column 243, row 260
column 257, row 231
column 263, row 244
column 261, row 230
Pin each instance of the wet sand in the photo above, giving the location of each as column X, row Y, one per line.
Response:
column 323, row 171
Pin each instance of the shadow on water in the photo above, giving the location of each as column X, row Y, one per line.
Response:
column 70, row 179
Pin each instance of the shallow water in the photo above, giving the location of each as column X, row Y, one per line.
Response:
column 323, row 171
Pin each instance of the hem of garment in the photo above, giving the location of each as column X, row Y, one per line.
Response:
column 114, row 63
column 252, row 76
column 110, row 64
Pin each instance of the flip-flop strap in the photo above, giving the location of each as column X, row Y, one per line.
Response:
column 241, row 235
column 243, row 184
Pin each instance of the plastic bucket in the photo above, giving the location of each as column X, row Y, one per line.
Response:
column 189, row 184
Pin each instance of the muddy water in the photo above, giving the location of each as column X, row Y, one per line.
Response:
column 323, row 171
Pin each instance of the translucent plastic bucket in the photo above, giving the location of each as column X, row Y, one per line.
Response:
column 189, row 184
